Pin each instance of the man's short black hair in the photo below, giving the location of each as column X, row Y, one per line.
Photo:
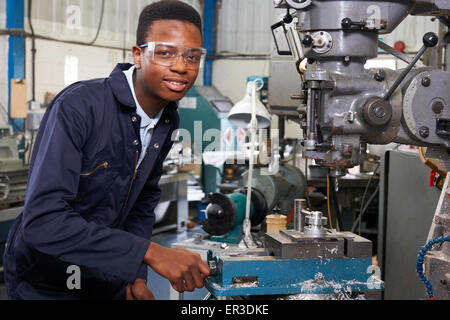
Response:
column 166, row 10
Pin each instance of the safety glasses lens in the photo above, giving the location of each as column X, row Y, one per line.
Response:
column 167, row 55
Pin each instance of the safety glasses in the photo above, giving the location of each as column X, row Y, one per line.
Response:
column 167, row 54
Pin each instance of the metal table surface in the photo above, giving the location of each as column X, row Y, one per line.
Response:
column 344, row 182
column 169, row 178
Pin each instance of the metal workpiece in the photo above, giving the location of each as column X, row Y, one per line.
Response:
column 293, row 245
column 315, row 241
column 315, row 218
column 299, row 205
column 290, row 244
column 314, row 223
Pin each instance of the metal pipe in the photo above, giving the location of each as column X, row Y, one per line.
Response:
column 404, row 73
column 33, row 54
column 312, row 112
column 15, row 17
column 299, row 205
column 429, row 40
column 402, row 56
column 209, row 37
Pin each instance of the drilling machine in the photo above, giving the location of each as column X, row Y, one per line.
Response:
column 344, row 105
column 347, row 104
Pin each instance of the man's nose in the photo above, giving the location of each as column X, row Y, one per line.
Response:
column 180, row 65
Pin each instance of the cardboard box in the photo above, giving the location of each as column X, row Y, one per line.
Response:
column 196, row 169
column 18, row 98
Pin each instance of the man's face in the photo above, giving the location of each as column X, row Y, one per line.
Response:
column 168, row 83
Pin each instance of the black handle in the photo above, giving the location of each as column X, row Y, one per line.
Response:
column 288, row 17
column 429, row 40
column 347, row 24
column 307, row 40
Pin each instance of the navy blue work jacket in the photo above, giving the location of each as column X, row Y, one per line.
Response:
column 86, row 204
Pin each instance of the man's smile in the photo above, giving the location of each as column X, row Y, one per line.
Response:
column 175, row 84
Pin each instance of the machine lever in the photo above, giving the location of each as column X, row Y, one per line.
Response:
column 347, row 23
column 429, row 40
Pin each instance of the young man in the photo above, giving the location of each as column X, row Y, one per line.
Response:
column 94, row 172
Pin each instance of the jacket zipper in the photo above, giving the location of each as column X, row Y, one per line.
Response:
column 103, row 165
column 136, row 168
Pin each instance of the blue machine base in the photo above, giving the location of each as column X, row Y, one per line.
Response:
column 266, row 275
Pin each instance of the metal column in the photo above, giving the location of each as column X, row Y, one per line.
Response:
column 15, row 14
column 182, row 206
column 209, row 38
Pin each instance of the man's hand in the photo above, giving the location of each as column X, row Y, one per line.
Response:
column 185, row 270
column 139, row 291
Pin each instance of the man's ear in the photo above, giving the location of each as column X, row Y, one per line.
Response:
column 137, row 56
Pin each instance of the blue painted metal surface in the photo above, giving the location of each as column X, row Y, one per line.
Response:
column 286, row 277
column 209, row 38
column 15, row 13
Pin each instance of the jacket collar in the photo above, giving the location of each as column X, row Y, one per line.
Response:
column 121, row 90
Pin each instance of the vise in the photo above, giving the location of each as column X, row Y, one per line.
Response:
column 312, row 261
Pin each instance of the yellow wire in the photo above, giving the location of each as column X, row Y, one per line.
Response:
column 328, row 201
column 431, row 164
